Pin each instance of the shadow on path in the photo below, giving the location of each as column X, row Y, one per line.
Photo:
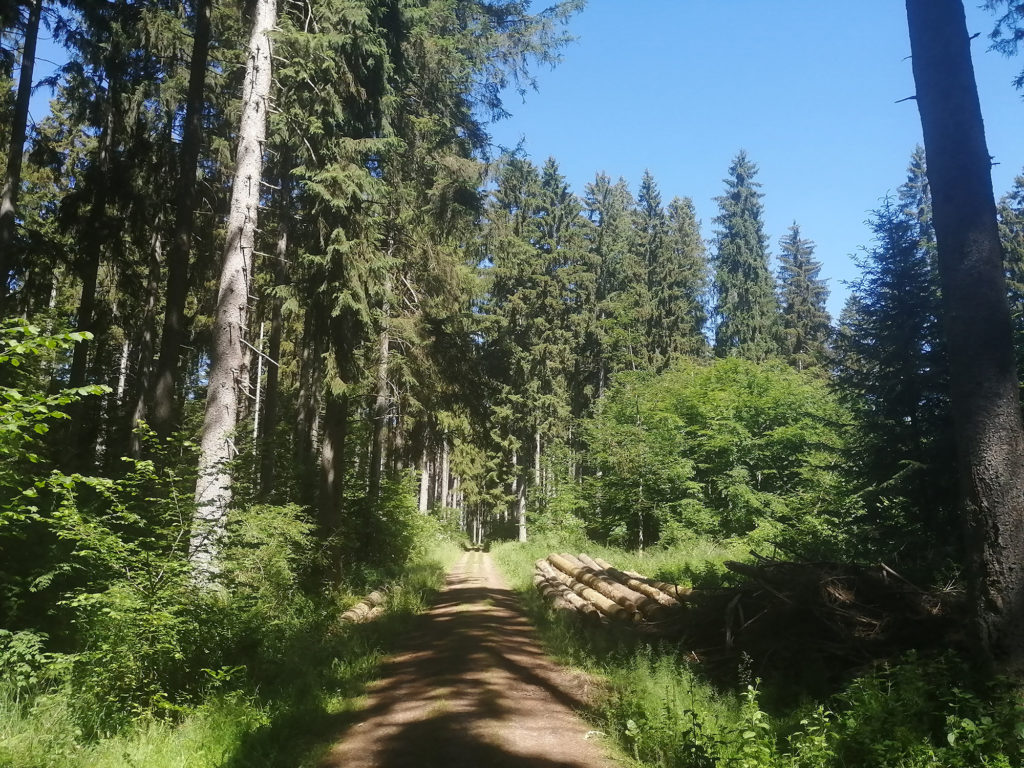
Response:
column 471, row 688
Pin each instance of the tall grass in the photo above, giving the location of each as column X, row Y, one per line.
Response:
column 313, row 696
column 662, row 711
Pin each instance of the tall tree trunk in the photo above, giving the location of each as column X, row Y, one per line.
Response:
column 442, row 490
column 332, row 464
column 308, row 404
column 424, row 481
column 985, row 392
column 144, row 345
column 163, row 414
column 267, row 444
column 380, row 401
column 16, row 148
column 227, row 377
column 521, row 506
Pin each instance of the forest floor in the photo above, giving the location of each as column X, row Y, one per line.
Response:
column 470, row 686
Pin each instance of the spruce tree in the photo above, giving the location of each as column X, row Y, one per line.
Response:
column 802, row 296
column 681, row 284
column 746, row 308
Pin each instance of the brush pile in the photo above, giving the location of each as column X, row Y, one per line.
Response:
column 842, row 614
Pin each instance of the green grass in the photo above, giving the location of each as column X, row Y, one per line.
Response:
column 287, row 724
column 660, row 710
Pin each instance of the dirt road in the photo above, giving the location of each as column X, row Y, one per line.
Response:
column 471, row 687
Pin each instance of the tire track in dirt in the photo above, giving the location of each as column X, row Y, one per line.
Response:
column 472, row 687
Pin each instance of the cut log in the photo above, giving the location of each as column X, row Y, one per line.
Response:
column 367, row 609
column 551, row 593
column 544, row 569
column 624, row 596
column 681, row 594
column 608, row 607
column 662, row 598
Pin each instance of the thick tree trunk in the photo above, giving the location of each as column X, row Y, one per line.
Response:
column 332, row 464
column 16, row 147
column 985, row 392
column 227, row 376
column 163, row 413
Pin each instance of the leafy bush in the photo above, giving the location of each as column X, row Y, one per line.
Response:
column 719, row 449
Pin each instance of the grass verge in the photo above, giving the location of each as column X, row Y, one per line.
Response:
column 290, row 722
column 662, row 711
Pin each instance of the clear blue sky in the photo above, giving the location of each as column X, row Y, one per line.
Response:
column 807, row 87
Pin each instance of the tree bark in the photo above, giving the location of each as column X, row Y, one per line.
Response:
column 227, row 376
column 163, row 413
column 16, row 148
column 521, row 506
column 424, row 482
column 332, row 464
column 984, row 386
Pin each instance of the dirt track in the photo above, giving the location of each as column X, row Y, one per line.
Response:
column 471, row 687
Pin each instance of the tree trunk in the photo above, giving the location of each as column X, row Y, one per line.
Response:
column 521, row 506
column 16, row 148
column 984, row 386
column 163, row 414
column 424, row 482
column 442, row 490
column 332, row 464
column 227, row 376
column 380, row 401
column 266, row 447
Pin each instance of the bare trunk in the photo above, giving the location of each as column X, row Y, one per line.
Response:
column 227, row 376
column 521, row 507
column 984, row 386
column 16, row 147
column 424, row 482
column 163, row 413
column 442, row 491
column 332, row 464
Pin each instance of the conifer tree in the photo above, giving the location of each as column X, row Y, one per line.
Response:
column 892, row 366
column 616, row 329
column 802, row 296
column 746, row 307
column 1011, row 233
column 681, row 283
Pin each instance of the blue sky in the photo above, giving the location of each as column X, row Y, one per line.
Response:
column 807, row 87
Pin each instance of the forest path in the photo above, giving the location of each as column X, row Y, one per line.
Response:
column 471, row 687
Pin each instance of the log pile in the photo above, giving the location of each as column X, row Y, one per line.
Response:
column 594, row 589
column 367, row 609
column 780, row 616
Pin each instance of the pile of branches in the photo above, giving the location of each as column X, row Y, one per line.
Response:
column 784, row 614
column 594, row 589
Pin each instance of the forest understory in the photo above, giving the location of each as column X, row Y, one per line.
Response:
column 280, row 329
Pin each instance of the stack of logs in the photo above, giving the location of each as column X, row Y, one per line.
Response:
column 595, row 589
column 367, row 609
